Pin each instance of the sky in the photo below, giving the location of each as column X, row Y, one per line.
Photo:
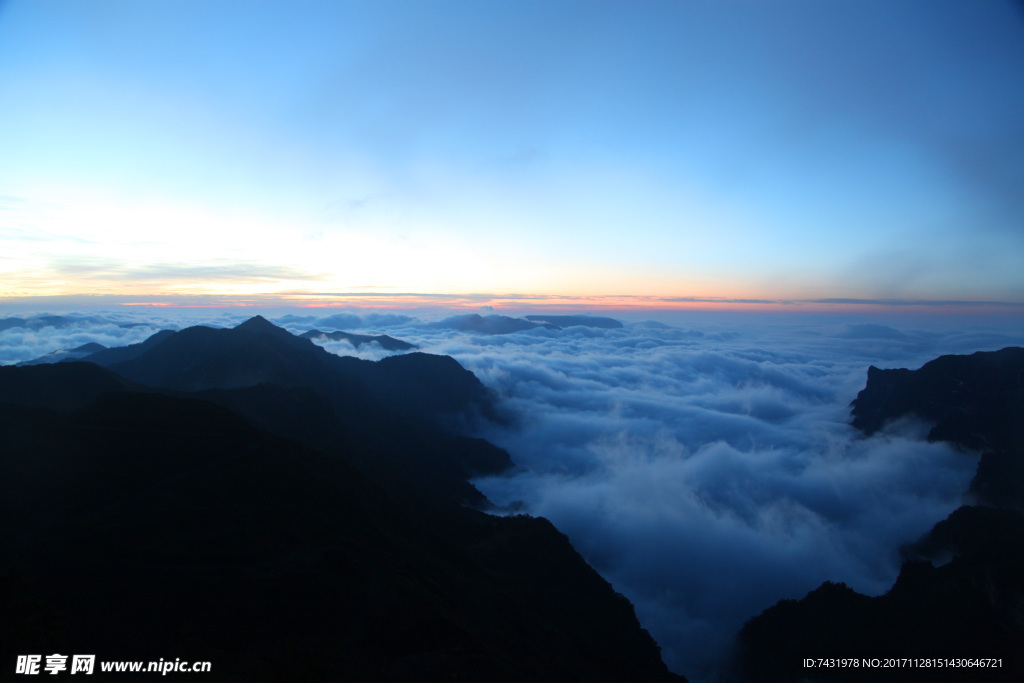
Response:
column 858, row 163
column 675, row 154
column 690, row 167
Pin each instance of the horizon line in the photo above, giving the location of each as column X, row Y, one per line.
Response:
column 388, row 300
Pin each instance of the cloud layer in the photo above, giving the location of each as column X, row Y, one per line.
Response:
column 705, row 467
column 709, row 472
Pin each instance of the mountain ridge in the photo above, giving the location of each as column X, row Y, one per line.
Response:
column 288, row 548
column 386, row 342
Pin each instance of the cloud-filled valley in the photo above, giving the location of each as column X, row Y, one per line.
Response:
column 709, row 474
column 705, row 465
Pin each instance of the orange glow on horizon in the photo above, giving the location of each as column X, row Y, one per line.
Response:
column 517, row 304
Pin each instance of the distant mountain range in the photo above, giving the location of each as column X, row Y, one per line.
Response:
column 502, row 324
column 386, row 342
column 63, row 355
column 960, row 591
column 244, row 497
column 577, row 320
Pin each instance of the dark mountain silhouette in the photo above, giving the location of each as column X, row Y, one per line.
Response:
column 490, row 324
column 386, row 342
column 77, row 353
column 577, row 320
column 999, row 480
column 502, row 324
column 976, row 401
column 141, row 522
column 63, row 387
column 258, row 352
column 119, row 354
column 396, row 418
column 971, row 531
column 961, row 587
column 966, row 609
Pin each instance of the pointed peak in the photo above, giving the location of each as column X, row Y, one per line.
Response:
column 260, row 326
column 257, row 323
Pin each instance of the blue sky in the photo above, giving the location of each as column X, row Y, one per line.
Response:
column 769, row 150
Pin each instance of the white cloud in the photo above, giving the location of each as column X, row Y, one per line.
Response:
column 709, row 473
column 707, row 469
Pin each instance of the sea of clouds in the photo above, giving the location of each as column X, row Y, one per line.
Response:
column 703, row 463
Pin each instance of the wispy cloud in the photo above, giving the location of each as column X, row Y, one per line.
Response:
column 214, row 269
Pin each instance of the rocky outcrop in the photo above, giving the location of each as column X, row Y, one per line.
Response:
column 959, row 598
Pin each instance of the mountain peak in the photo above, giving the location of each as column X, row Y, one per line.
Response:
column 257, row 323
